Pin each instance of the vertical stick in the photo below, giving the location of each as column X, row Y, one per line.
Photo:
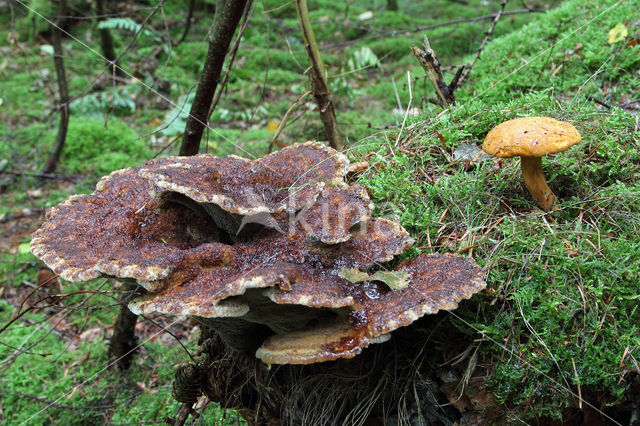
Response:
column 318, row 78
column 123, row 341
column 58, row 60
column 187, row 24
column 226, row 23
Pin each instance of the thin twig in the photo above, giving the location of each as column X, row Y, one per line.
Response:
column 45, row 175
column 285, row 117
column 598, row 101
column 486, row 38
column 187, row 24
column 395, row 33
column 64, row 407
column 406, row 114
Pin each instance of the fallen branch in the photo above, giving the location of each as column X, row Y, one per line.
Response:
column 429, row 61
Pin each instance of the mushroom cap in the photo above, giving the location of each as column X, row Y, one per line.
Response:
column 334, row 213
column 120, row 230
column 530, row 137
column 155, row 224
column 304, row 274
column 438, row 282
column 289, row 179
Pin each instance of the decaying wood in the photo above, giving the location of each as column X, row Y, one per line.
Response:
column 429, row 61
column 318, row 78
column 183, row 414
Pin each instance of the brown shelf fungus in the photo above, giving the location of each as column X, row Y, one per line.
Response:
column 172, row 226
column 437, row 282
column 531, row 138
column 256, row 251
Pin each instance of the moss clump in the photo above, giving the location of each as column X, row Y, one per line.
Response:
column 93, row 146
column 565, row 49
column 562, row 290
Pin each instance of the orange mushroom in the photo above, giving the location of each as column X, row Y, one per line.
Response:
column 531, row 138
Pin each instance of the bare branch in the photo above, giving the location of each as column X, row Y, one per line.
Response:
column 429, row 61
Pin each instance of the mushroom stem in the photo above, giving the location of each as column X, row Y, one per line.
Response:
column 536, row 183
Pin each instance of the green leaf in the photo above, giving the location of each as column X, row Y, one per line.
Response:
column 46, row 48
column 396, row 280
column 617, row 33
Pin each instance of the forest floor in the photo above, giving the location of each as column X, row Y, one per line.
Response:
column 555, row 334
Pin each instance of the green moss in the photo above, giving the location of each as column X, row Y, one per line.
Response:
column 95, row 147
column 70, row 382
column 562, row 288
column 565, row 49
column 569, row 294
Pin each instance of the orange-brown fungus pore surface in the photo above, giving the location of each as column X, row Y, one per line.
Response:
column 334, row 213
column 119, row 230
column 288, row 179
column 438, row 282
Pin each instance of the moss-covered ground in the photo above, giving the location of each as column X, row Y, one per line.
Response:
column 557, row 327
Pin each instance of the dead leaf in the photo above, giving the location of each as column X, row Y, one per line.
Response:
column 396, row 280
column 46, row 277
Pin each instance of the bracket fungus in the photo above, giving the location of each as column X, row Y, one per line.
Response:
column 179, row 227
column 531, row 138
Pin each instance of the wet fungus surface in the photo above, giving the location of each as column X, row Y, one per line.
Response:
column 236, row 242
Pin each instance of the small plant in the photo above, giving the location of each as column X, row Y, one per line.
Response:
column 129, row 25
